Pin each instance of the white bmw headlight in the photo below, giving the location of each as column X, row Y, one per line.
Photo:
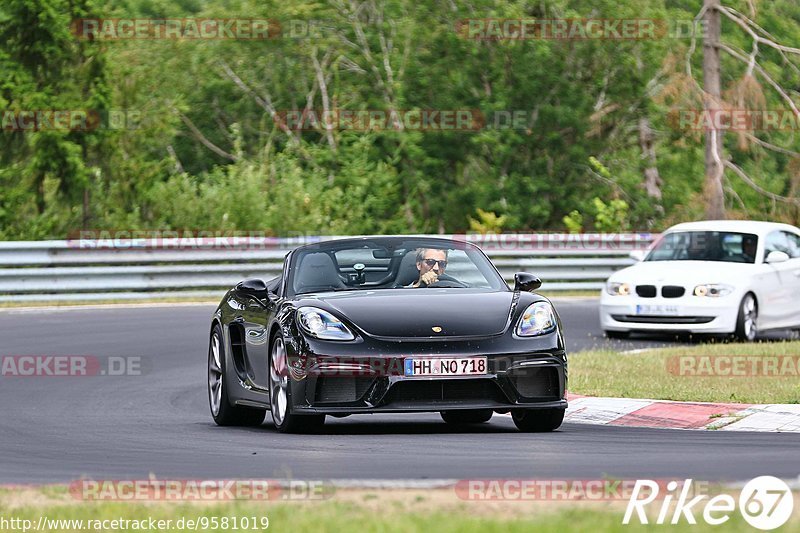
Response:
column 618, row 289
column 323, row 325
column 714, row 290
column 537, row 319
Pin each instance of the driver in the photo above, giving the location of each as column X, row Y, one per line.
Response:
column 749, row 245
column 431, row 263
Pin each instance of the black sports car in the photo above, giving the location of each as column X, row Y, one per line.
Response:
column 386, row 325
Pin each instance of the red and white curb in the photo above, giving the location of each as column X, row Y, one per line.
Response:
column 683, row 415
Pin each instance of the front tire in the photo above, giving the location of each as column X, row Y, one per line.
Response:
column 467, row 416
column 746, row 330
column 280, row 395
column 222, row 409
column 537, row 420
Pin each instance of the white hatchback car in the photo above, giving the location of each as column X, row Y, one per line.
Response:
column 721, row 276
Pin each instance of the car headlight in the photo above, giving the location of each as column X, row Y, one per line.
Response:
column 537, row 319
column 713, row 290
column 618, row 289
column 323, row 325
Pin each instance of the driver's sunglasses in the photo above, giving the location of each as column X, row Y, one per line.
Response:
column 432, row 262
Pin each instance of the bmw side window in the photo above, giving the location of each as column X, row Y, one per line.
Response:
column 793, row 242
column 777, row 241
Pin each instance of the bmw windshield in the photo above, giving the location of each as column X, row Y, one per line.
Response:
column 705, row 246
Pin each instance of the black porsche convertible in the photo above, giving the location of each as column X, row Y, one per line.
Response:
column 386, row 325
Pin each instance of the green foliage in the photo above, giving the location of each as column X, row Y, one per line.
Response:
column 550, row 106
column 610, row 217
column 607, row 217
column 573, row 221
column 487, row 222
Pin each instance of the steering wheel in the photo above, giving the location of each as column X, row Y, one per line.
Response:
column 445, row 281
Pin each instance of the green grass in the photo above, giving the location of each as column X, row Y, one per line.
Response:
column 437, row 511
column 175, row 299
column 570, row 293
column 656, row 374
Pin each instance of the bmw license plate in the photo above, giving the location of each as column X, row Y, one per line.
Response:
column 445, row 366
column 658, row 310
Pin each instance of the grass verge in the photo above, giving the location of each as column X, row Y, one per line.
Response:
column 121, row 302
column 348, row 510
column 740, row 373
column 570, row 294
column 177, row 299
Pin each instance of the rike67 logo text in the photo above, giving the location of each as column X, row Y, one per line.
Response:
column 765, row 503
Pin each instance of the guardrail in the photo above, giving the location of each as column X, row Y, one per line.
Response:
column 123, row 269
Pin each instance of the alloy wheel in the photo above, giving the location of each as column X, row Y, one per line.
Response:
column 279, row 382
column 215, row 378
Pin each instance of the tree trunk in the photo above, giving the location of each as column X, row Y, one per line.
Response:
column 86, row 214
column 712, row 189
column 652, row 179
column 40, row 201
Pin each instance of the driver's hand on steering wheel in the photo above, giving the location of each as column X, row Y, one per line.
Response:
column 428, row 278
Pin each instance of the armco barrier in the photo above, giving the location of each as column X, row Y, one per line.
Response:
column 145, row 268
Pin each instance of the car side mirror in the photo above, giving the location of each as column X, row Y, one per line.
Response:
column 254, row 287
column 526, row 282
column 777, row 257
column 637, row 255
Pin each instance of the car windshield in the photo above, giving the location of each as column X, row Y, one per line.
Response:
column 390, row 263
column 705, row 246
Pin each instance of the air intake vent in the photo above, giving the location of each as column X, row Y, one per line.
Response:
column 646, row 291
column 445, row 390
column 536, row 382
column 672, row 291
column 338, row 389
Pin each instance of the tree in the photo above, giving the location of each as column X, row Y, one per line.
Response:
column 713, row 191
column 745, row 92
column 48, row 69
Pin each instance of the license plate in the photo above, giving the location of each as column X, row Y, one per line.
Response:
column 658, row 310
column 442, row 366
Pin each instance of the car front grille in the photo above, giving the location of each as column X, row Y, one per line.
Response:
column 646, row 291
column 672, row 291
column 339, row 389
column 445, row 390
column 535, row 382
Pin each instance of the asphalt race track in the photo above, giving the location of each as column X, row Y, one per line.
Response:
column 57, row 429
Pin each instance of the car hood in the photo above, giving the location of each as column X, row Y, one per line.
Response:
column 415, row 312
column 683, row 272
